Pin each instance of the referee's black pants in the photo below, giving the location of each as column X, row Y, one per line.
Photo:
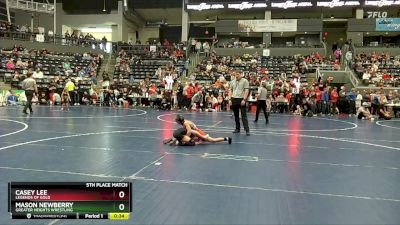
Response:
column 236, row 107
column 29, row 96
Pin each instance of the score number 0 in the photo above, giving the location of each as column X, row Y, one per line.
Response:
column 121, row 195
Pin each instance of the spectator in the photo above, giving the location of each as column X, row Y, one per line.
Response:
column 363, row 112
column 38, row 74
column 352, row 98
column 10, row 64
column 43, row 99
column 198, row 46
column 206, row 48
column 261, row 102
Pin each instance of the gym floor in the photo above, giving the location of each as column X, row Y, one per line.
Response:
column 295, row 170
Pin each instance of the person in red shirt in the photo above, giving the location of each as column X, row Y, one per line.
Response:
column 197, row 87
column 166, row 43
column 386, row 76
column 264, row 78
column 152, row 89
column 306, row 92
column 334, row 100
column 264, row 70
column 289, row 98
column 189, row 94
column 318, row 98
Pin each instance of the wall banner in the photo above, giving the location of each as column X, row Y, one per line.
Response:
column 387, row 24
column 284, row 25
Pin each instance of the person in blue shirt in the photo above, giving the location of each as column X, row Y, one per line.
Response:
column 12, row 100
column 325, row 101
column 351, row 97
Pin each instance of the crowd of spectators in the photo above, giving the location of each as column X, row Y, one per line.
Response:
column 260, row 68
column 50, row 69
column 154, row 87
column 207, row 88
column 379, row 70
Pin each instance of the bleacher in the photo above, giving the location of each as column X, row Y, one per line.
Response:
column 50, row 63
column 146, row 69
column 276, row 65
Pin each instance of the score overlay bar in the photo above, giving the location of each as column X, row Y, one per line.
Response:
column 70, row 200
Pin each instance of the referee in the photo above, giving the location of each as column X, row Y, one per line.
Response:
column 30, row 87
column 239, row 90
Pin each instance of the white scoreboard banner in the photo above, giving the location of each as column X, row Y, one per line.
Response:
column 284, row 25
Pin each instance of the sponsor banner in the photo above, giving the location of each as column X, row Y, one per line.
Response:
column 153, row 48
column 284, row 25
column 39, row 37
column 204, row 6
column 290, row 4
column 381, row 3
column 266, row 52
column 247, row 5
column 338, row 3
column 387, row 24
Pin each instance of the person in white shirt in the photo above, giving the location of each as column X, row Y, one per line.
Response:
column 366, row 76
column 206, row 48
column 56, row 98
column 363, row 113
column 349, row 58
column 198, row 46
column 37, row 74
column 374, row 67
column 197, row 100
column 194, row 42
column 209, row 67
column 358, row 100
column 2, row 100
column 296, row 89
column 169, row 81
